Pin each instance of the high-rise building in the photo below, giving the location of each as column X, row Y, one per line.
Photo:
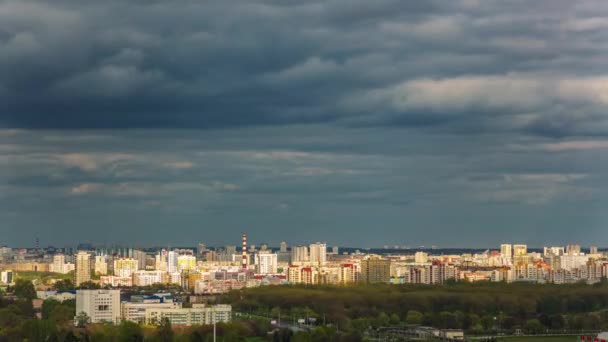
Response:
column 58, row 262
column 573, row 249
column 141, row 257
column 202, row 248
column 101, row 265
column 520, row 254
column 244, row 258
column 101, row 306
column 421, row 257
column 593, row 250
column 506, row 250
column 318, row 253
column 283, row 247
column 172, row 262
column 266, row 263
column 124, row 267
column 375, row 270
column 161, row 260
column 348, row 274
column 186, row 262
column 299, row 254
column 520, row 250
column 335, row 250
column 82, row 270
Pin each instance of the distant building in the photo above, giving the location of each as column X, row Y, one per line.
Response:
column 136, row 311
column 101, row 265
column 7, row 277
column 124, row 267
column 199, row 314
column 266, row 263
column 101, row 306
column 520, row 250
column 573, row 249
column 318, row 253
column 147, row 278
column 299, row 254
column 375, row 270
column 201, row 249
column 83, row 266
column 421, row 257
column 348, row 274
column 172, row 262
column 186, row 263
column 506, row 250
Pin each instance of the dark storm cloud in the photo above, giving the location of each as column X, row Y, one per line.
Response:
column 357, row 122
column 466, row 66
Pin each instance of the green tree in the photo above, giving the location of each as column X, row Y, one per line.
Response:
column 534, row 326
column 130, row 332
column 382, row 320
column 557, row 322
column 414, row 317
column 64, row 285
column 62, row 314
column 301, row 336
column 165, row 331
column 394, row 320
column 70, row 337
column 39, row 330
column 82, row 319
column 24, row 289
column 89, row 285
column 47, row 307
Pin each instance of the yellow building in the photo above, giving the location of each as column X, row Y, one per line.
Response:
column 125, row 267
column 186, row 262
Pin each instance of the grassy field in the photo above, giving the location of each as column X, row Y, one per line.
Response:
column 572, row 338
column 41, row 276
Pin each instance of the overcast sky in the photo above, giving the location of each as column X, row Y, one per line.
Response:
column 360, row 123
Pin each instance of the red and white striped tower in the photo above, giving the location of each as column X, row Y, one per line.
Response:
column 245, row 261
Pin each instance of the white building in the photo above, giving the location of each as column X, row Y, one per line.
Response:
column 82, row 271
column 266, row 263
column 172, row 262
column 570, row 262
column 7, row 277
column 299, row 254
column 125, row 267
column 520, row 250
column 186, row 262
column 101, row 265
column 318, row 253
column 99, row 305
column 136, row 312
column 59, row 265
column 421, row 258
column 199, row 314
column 56, row 295
column 147, row 278
column 506, row 250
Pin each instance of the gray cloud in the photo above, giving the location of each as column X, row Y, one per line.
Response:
column 358, row 122
column 218, row 64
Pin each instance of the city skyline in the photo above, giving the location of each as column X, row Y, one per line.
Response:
column 451, row 123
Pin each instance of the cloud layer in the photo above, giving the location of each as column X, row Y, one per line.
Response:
column 461, row 65
column 358, row 122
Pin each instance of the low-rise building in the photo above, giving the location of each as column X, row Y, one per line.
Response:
column 199, row 314
column 101, row 306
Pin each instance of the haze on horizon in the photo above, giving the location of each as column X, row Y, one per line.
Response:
column 458, row 123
